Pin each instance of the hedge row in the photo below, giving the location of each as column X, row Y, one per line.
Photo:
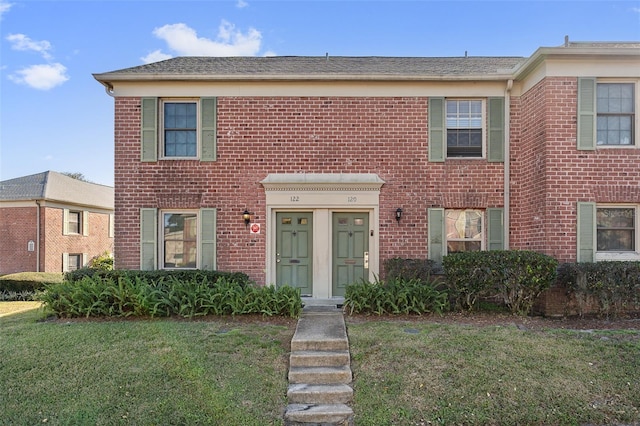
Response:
column 189, row 294
column 517, row 277
column 611, row 288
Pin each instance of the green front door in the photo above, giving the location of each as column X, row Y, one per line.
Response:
column 294, row 251
column 350, row 250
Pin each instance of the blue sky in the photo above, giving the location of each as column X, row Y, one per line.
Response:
column 55, row 116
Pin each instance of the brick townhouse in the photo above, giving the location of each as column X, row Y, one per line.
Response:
column 312, row 171
column 50, row 222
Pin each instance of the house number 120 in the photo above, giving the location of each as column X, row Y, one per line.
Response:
column 294, row 198
column 352, row 199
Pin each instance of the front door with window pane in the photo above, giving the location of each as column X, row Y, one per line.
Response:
column 294, row 250
column 350, row 250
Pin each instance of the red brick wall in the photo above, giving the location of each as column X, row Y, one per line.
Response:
column 55, row 244
column 550, row 175
column 17, row 228
column 258, row 136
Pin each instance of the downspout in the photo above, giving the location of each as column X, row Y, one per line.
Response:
column 507, row 161
column 38, row 236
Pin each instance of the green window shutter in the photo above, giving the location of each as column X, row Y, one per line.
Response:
column 65, row 222
column 208, row 239
column 495, row 229
column 148, row 239
column 495, row 144
column 586, row 114
column 436, row 236
column 149, row 131
column 586, row 232
column 85, row 223
column 208, row 128
column 437, row 130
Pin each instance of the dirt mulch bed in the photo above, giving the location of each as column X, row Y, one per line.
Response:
column 488, row 319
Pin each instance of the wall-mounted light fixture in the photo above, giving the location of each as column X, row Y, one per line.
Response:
column 246, row 216
column 398, row 214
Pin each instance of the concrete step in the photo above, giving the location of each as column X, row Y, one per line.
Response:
column 319, row 345
column 320, row 375
column 319, row 358
column 320, row 332
column 319, row 394
column 330, row 414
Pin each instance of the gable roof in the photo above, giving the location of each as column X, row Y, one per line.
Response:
column 54, row 186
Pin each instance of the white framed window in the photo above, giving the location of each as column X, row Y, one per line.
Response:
column 75, row 222
column 178, row 128
column 465, row 126
column 464, row 230
column 617, row 232
column 73, row 261
column 179, row 124
column 615, row 114
column 179, row 239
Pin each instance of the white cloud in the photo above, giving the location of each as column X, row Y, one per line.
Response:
column 155, row 56
column 635, row 9
column 4, row 7
column 184, row 40
column 241, row 4
column 41, row 77
column 24, row 43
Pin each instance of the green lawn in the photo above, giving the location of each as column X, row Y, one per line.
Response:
column 144, row 372
column 221, row 371
column 420, row 373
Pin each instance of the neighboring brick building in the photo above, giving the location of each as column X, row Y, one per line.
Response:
column 343, row 162
column 50, row 222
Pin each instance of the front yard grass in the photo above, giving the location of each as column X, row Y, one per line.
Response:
column 419, row 373
column 144, row 372
column 226, row 371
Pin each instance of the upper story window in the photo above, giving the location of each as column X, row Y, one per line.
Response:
column 74, row 222
column 464, row 128
column 180, row 129
column 615, row 112
column 175, row 128
column 606, row 113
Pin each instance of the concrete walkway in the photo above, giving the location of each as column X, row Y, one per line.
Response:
column 320, row 368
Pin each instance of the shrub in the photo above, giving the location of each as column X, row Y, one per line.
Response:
column 409, row 269
column 139, row 293
column 28, row 281
column 395, row 296
column 158, row 275
column 517, row 276
column 611, row 287
column 103, row 262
